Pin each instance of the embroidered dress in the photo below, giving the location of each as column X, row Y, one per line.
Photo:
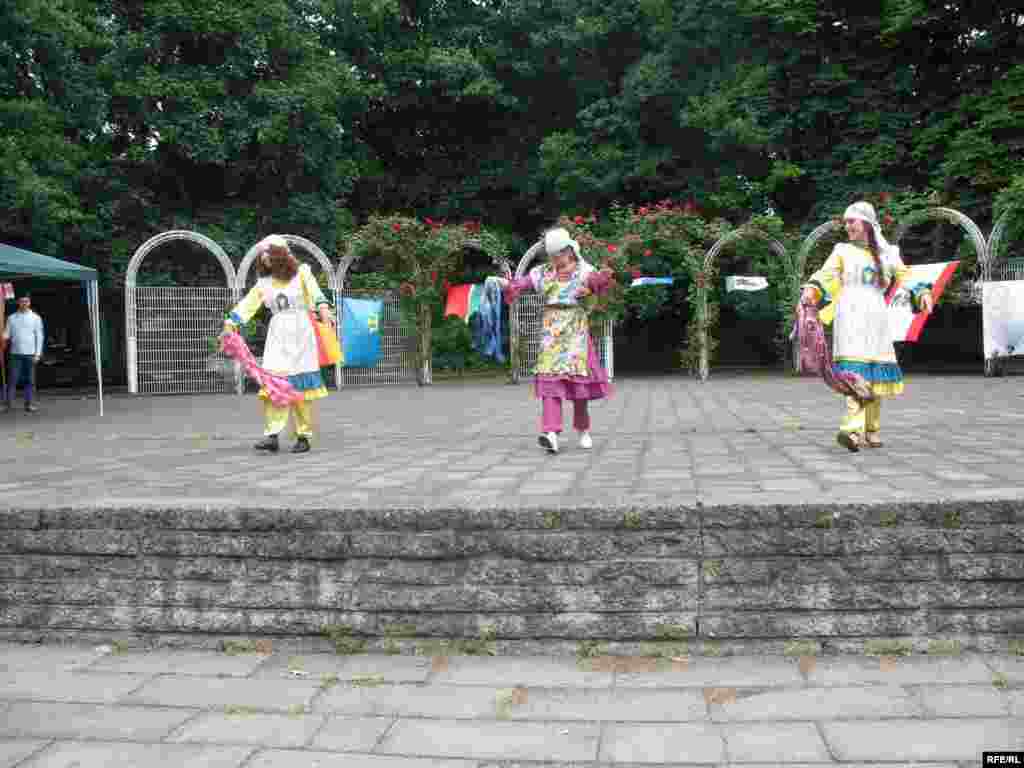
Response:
column 290, row 349
column 567, row 366
column 862, row 339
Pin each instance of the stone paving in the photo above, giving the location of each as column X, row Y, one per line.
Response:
column 755, row 438
column 87, row 707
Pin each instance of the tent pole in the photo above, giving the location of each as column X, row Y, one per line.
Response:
column 94, row 311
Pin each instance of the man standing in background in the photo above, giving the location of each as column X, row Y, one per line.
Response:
column 24, row 333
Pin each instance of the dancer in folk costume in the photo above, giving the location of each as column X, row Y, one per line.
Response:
column 290, row 292
column 855, row 280
column 567, row 367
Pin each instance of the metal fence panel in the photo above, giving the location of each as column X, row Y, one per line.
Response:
column 397, row 363
column 526, row 317
column 173, row 328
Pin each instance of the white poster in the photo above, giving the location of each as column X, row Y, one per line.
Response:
column 1002, row 313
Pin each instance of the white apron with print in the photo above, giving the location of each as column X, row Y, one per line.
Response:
column 861, row 329
column 291, row 340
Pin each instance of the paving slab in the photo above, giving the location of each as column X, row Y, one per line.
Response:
column 219, row 693
column 352, row 734
column 57, row 685
column 506, row 740
column 954, row 739
column 14, row 751
column 15, row 657
column 790, row 743
column 126, row 755
column 252, row 728
column 739, row 671
column 90, row 721
column 503, row 671
column 872, row 703
column 647, row 743
column 1011, row 666
column 276, row 758
column 909, row 670
column 965, row 701
column 318, row 666
column 179, row 662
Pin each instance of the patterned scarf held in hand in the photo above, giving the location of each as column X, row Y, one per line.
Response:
column 282, row 394
column 816, row 357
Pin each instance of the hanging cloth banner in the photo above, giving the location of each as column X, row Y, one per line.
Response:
column 904, row 323
column 745, row 283
column 1002, row 312
column 463, row 300
column 360, row 332
column 651, row 281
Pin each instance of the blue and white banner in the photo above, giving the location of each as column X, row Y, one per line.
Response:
column 652, row 281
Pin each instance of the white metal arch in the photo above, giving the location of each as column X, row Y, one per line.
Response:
column 710, row 259
column 192, row 303
column 525, row 326
column 294, row 241
column 994, row 268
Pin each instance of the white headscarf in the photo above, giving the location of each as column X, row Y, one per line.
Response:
column 556, row 240
column 864, row 211
column 274, row 241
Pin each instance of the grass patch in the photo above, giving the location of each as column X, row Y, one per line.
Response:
column 888, row 648
column 632, row 519
column 1016, row 647
column 801, row 648
column 712, row 568
column 367, row 681
column 712, row 648
column 400, row 630
column 344, row 643
column 552, row 520
column 951, row 519
column 296, row 710
column 943, row 647
column 119, row 646
column 238, row 647
column 672, row 632
column 887, row 519
column 239, row 710
column 1000, row 681
column 589, row 649
column 665, row 649
column 294, row 663
column 392, row 647
column 823, row 520
column 328, row 681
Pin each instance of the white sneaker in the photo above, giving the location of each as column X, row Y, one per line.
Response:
column 549, row 442
column 586, row 443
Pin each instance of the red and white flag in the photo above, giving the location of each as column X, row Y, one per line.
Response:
column 904, row 323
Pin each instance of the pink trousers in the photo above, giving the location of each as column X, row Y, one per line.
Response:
column 551, row 415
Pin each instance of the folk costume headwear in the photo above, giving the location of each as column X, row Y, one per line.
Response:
column 864, row 211
column 557, row 240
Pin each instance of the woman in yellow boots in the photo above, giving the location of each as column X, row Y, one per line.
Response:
column 290, row 292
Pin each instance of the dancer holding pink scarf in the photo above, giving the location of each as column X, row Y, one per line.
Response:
column 568, row 367
column 854, row 283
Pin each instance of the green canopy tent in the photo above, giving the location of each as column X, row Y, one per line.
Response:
column 18, row 263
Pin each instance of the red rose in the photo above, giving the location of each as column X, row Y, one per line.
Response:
column 884, row 197
column 578, row 219
column 643, row 211
column 888, row 219
column 648, row 252
column 429, row 221
column 396, row 226
column 636, row 273
column 433, row 277
column 612, row 248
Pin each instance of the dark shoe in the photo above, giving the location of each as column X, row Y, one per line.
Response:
column 30, row 408
column 849, row 440
column 301, row 445
column 268, row 444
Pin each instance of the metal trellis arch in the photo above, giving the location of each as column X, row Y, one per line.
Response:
column 710, row 258
column 525, row 327
column 168, row 329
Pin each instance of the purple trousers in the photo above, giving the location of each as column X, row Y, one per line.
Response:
column 551, row 415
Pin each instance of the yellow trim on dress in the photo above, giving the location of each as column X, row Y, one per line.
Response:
column 887, row 388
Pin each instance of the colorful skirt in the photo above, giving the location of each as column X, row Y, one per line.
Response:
column 594, row 386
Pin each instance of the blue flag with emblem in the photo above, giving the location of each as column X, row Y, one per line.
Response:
column 360, row 332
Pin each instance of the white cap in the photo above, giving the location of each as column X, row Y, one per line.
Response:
column 556, row 240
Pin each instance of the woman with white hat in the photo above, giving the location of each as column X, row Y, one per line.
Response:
column 855, row 280
column 568, row 367
column 290, row 291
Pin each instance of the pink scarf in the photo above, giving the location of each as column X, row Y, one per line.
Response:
column 281, row 392
column 816, row 357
